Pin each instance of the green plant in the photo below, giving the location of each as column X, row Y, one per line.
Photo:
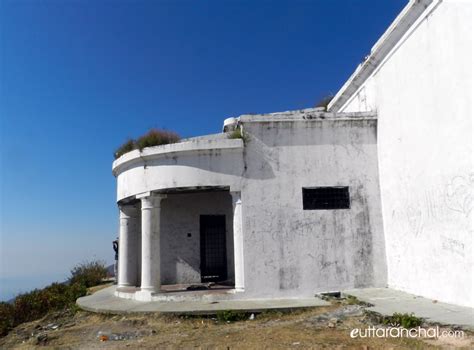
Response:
column 88, row 274
column 126, row 147
column 55, row 297
column 238, row 133
column 231, row 316
column 352, row 300
column 404, row 320
column 7, row 312
column 37, row 303
column 154, row 137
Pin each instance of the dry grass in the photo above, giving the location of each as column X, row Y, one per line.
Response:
column 271, row 330
column 154, row 137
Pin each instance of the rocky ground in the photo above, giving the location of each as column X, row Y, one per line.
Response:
column 323, row 327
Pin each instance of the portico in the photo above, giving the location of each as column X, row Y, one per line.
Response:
column 161, row 231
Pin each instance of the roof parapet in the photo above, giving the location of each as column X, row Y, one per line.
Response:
column 399, row 27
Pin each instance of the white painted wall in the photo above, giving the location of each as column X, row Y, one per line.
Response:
column 180, row 254
column 199, row 162
column 423, row 96
column 289, row 251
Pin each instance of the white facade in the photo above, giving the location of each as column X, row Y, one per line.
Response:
column 418, row 79
column 274, row 247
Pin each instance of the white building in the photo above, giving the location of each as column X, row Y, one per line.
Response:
column 418, row 79
column 376, row 192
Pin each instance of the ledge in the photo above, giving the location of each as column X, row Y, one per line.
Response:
column 316, row 114
column 187, row 146
column 104, row 301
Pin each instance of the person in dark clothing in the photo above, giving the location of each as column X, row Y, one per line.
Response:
column 115, row 245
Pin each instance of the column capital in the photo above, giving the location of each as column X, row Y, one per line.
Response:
column 235, row 196
column 128, row 210
column 151, row 200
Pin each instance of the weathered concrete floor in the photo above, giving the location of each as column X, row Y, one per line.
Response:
column 104, row 301
column 388, row 301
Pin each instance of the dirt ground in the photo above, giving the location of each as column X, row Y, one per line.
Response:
column 316, row 328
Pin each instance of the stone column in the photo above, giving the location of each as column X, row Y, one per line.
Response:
column 129, row 231
column 150, row 274
column 238, row 242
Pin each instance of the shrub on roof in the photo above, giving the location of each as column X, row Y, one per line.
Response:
column 154, row 137
column 126, row 147
column 238, row 133
column 157, row 137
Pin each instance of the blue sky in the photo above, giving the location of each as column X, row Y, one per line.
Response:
column 79, row 77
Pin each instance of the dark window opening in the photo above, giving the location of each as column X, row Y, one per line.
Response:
column 324, row 198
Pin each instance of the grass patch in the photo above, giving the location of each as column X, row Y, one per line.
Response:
column 238, row 133
column 33, row 305
column 88, row 274
column 126, row 147
column 7, row 315
column 403, row 320
column 352, row 300
column 154, row 137
column 157, row 137
column 232, row 316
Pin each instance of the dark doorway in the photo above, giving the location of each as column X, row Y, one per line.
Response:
column 213, row 248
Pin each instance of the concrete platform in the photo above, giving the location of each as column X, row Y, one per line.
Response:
column 104, row 301
column 388, row 301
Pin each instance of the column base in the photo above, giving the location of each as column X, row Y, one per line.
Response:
column 144, row 295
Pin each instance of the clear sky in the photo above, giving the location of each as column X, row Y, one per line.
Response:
column 80, row 76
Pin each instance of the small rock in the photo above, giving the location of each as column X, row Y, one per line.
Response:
column 296, row 343
column 42, row 339
column 331, row 325
column 252, row 317
column 103, row 338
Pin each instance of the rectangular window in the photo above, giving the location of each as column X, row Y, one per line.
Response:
column 324, row 198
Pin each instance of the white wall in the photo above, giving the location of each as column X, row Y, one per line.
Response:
column 180, row 214
column 289, row 251
column 423, row 96
column 197, row 163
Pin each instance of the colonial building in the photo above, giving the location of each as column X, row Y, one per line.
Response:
column 374, row 192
